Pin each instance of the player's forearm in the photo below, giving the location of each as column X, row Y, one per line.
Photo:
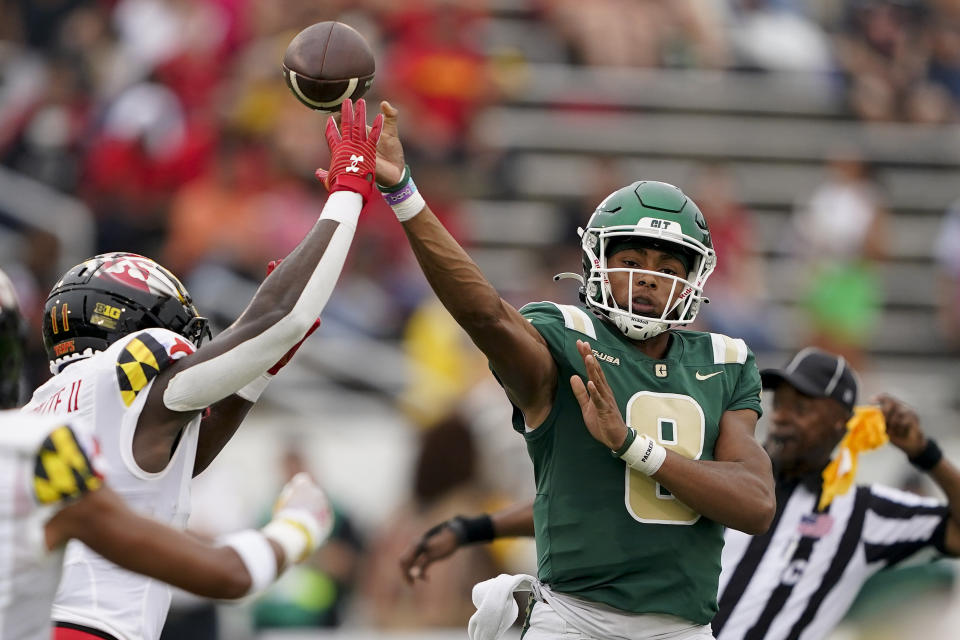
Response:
column 301, row 283
column 739, row 495
column 217, row 428
column 454, row 276
column 105, row 524
column 181, row 561
column 517, row 353
column 299, row 287
column 283, row 310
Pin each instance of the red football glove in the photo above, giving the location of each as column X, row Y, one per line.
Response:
column 353, row 156
column 282, row 362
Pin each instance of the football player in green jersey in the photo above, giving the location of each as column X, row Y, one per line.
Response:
column 628, row 516
column 830, row 536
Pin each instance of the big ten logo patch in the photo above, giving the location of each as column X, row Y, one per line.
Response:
column 107, row 310
column 105, row 316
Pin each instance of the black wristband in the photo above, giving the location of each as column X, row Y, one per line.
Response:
column 631, row 436
column 929, row 457
column 472, row 530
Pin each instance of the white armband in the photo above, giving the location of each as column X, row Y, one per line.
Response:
column 257, row 555
column 212, row 380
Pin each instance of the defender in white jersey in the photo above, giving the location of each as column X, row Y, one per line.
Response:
column 51, row 491
column 29, row 572
column 122, row 335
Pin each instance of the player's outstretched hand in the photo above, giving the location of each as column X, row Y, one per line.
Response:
column 390, row 162
column 437, row 543
column 903, row 425
column 302, row 518
column 353, row 151
column 597, row 402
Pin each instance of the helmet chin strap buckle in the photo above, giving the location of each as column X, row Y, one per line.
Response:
column 196, row 330
column 567, row 275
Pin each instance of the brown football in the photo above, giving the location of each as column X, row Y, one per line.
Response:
column 327, row 63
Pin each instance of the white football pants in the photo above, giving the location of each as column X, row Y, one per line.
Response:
column 545, row 624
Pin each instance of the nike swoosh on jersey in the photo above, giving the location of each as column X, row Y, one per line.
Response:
column 700, row 376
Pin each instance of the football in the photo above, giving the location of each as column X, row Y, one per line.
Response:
column 327, row 63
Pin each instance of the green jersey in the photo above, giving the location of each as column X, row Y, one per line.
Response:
column 605, row 532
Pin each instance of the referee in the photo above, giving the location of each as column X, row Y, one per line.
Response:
column 798, row 579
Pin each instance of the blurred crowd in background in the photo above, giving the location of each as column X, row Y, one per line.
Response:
column 164, row 127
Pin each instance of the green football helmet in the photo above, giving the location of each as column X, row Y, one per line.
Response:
column 662, row 216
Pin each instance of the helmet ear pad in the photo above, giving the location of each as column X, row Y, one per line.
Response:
column 113, row 295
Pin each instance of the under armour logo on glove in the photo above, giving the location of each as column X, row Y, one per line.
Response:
column 353, row 155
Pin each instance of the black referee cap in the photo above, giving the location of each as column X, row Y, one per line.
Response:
column 817, row 373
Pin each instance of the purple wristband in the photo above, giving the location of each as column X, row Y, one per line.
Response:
column 397, row 197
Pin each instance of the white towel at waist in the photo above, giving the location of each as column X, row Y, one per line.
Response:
column 496, row 607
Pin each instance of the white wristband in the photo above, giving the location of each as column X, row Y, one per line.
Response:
column 409, row 207
column 292, row 536
column 257, row 555
column 406, row 201
column 251, row 392
column 644, row 455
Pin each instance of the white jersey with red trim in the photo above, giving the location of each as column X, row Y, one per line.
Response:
column 103, row 395
column 34, row 452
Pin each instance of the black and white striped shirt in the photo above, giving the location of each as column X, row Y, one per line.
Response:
column 798, row 580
